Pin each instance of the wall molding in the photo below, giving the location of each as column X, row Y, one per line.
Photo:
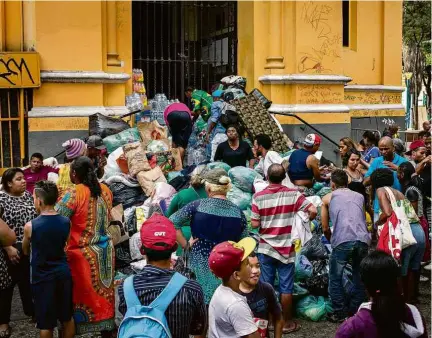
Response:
column 303, row 79
column 309, row 108
column 78, row 76
column 76, row 111
column 376, row 107
column 373, row 88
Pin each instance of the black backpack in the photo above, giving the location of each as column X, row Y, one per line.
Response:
column 229, row 115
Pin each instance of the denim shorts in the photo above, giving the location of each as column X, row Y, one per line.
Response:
column 413, row 255
column 270, row 265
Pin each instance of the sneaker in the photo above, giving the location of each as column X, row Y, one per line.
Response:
column 428, row 267
column 336, row 318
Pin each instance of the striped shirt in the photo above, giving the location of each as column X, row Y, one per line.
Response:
column 186, row 315
column 275, row 208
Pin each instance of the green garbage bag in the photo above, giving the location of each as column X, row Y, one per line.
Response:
column 312, row 308
column 202, row 103
column 116, row 141
column 243, row 178
column 240, row 198
column 248, row 214
column 218, row 165
column 299, row 292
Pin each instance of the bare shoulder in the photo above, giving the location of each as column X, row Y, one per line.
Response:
column 327, row 198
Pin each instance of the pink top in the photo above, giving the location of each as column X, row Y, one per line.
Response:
column 175, row 107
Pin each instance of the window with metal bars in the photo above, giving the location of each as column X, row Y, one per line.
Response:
column 184, row 43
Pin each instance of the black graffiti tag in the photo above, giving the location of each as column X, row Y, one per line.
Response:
column 13, row 68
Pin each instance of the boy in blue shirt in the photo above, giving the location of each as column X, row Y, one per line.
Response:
column 388, row 159
column 46, row 237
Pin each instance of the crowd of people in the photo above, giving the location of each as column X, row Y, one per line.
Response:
column 57, row 247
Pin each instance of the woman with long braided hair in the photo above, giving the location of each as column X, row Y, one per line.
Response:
column 90, row 249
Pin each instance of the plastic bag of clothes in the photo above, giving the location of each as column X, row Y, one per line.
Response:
column 303, row 268
column 105, row 126
column 172, row 175
column 312, row 308
column 148, row 179
column 240, row 198
column 136, row 158
column 217, row 165
column 156, row 146
column 243, row 178
column 112, row 168
column 318, row 283
column 151, row 131
column 127, row 196
column 314, row 248
column 118, row 140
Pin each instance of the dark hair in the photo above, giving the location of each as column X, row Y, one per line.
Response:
column 37, row 155
column 408, row 170
column 379, row 273
column 264, row 141
column 8, row 176
column 382, row 177
column 158, row 255
column 424, row 133
column 339, row 178
column 236, row 127
column 276, row 173
column 371, row 136
column 347, row 156
column 46, row 191
column 85, row 173
column 189, row 89
column 362, row 143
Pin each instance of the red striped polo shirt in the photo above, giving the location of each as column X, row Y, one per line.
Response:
column 275, row 208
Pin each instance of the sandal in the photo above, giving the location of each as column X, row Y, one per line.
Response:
column 295, row 328
column 6, row 333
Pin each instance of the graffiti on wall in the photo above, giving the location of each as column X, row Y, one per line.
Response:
column 318, row 18
column 314, row 94
column 19, row 70
column 380, row 112
column 373, row 98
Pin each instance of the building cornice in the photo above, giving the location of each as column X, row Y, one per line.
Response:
column 376, row 107
column 308, row 108
column 71, row 76
column 76, row 111
column 373, row 88
column 303, row 79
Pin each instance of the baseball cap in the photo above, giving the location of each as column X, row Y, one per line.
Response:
column 95, row 141
column 158, row 233
column 226, row 257
column 312, row 140
column 415, row 145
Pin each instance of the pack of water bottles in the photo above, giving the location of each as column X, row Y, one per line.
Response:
column 158, row 105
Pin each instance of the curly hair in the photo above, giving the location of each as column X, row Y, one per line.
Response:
column 85, row 173
column 382, row 177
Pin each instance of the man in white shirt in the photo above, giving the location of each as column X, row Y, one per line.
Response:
column 229, row 312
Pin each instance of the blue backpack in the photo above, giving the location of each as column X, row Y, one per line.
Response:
column 148, row 321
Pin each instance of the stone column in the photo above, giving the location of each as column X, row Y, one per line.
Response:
column 275, row 59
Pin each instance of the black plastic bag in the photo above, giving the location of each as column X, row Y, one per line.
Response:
column 314, row 249
column 318, row 283
column 127, row 196
column 122, row 255
column 104, row 126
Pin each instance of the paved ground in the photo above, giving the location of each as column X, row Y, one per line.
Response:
column 22, row 328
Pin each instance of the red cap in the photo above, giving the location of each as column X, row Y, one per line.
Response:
column 415, row 145
column 226, row 257
column 158, row 233
column 312, row 140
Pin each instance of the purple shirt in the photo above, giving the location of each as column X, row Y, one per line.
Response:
column 362, row 325
column 348, row 217
column 31, row 177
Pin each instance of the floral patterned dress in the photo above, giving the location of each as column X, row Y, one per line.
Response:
column 212, row 221
column 90, row 254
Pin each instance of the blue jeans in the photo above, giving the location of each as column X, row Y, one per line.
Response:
column 269, row 266
column 413, row 255
column 353, row 252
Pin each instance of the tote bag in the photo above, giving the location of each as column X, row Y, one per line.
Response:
column 396, row 232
